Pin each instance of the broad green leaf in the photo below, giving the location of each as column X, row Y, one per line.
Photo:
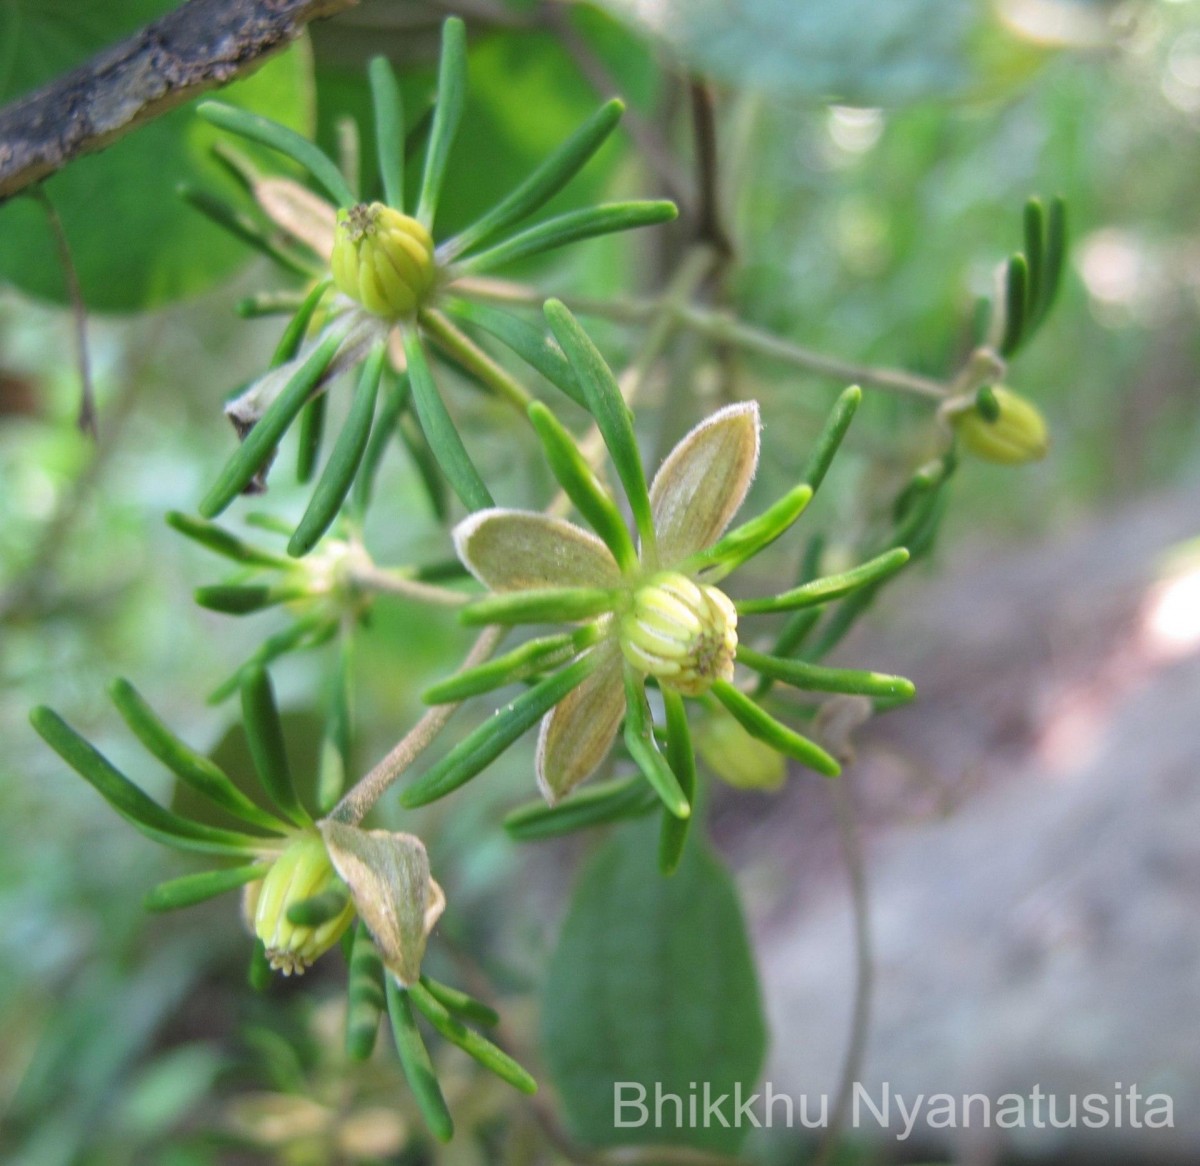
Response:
column 629, row 998
column 135, row 242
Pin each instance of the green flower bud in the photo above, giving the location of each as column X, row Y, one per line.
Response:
column 383, row 259
column 300, row 873
column 737, row 758
column 1016, row 435
column 682, row 633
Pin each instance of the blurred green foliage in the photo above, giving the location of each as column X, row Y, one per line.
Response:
column 866, row 233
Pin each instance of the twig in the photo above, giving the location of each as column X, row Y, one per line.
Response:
column 864, row 971
column 357, row 803
column 383, row 581
column 87, row 394
column 722, row 327
column 197, row 47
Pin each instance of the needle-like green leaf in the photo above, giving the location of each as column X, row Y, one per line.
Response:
column 389, row 129
column 545, row 182
column 528, row 660
column 440, row 431
column 745, row 541
column 241, row 226
column 682, row 759
column 459, row 1002
column 338, row 476
column 759, row 723
column 287, row 142
column 591, row 805
column 189, row 766
column 543, row 605
column 482, row 746
column 612, row 415
column 365, row 996
column 131, row 802
column 196, row 888
column 262, row 439
column 570, row 227
column 639, row 740
column 830, row 439
column 830, row 587
column 223, row 542
column 247, row 598
column 264, row 734
column 471, row 1043
column 1016, row 305
column 817, row 678
column 312, row 432
column 418, row 1068
column 579, row 482
column 451, row 97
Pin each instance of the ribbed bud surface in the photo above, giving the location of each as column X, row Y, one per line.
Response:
column 383, row 259
column 1016, row 436
column 301, row 872
column 682, row 633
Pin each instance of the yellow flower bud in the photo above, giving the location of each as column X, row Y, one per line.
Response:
column 682, row 633
column 301, row 872
column 383, row 259
column 1016, row 436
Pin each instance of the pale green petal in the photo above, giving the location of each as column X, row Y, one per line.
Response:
column 578, row 732
column 303, row 215
column 388, row 876
column 516, row 550
column 703, row 482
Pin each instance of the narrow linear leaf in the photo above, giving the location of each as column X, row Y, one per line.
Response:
column 365, row 994
column 338, row 476
column 1034, row 224
column 541, row 605
column 264, row 436
column 1016, row 285
column 223, row 542
column 447, row 113
column 395, row 390
column 639, row 740
column 297, row 327
column 459, row 1002
column 579, row 482
column 185, row 763
column 817, row 678
column 418, row 1068
column 759, row 723
column 440, row 431
column 312, row 432
column 682, row 759
column 571, row 227
column 830, row 439
column 128, row 800
column 334, row 763
column 389, row 129
column 535, row 347
column 433, row 480
column 309, row 632
column 1056, row 253
column 529, row 659
column 241, row 226
column 268, row 304
column 245, row 599
column 612, row 415
column 287, row 142
column 461, row 351
column 480, row 1048
column 196, row 888
column 264, row 734
column 545, row 182
column 830, row 587
column 259, row 974
column 591, row 805
column 745, row 541
column 317, row 910
column 799, row 624
column 481, row 747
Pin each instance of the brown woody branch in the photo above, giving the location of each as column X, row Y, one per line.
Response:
column 198, row 46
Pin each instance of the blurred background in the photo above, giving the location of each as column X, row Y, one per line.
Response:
column 1029, row 829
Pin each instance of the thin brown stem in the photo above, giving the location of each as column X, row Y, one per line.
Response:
column 864, row 971
column 357, row 803
column 87, row 393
